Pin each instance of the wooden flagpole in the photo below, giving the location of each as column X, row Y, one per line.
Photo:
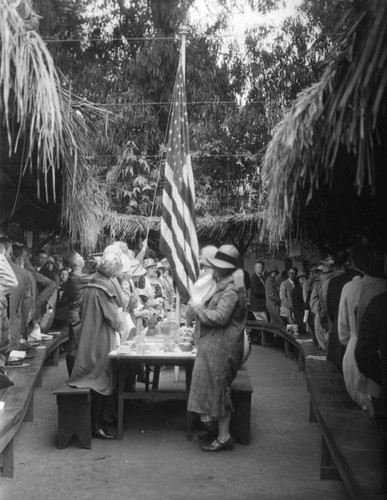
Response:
column 183, row 32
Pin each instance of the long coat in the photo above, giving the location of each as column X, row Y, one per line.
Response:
column 286, row 289
column 101, row 318
column 273, row 300
column 220, row 349
column 257, row 293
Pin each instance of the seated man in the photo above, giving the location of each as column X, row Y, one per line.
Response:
column 371, row 351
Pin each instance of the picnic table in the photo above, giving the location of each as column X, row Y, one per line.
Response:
column 126, row 357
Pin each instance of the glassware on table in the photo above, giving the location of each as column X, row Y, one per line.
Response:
column 140, row 344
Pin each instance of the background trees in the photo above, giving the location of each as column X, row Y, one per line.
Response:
column 123, row 56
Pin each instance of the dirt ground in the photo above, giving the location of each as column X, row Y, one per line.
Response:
column 154, row 460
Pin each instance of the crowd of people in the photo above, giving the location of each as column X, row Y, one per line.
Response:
column 42, row 292
column 341, row 303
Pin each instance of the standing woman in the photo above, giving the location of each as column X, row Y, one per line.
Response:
column 101, row 318
column 220, row 350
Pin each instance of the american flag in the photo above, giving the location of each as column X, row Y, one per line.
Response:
column 178, row 238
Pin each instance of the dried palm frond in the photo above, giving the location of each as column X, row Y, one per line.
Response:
column 343, row 110
column 133, row 227
column 129, row 227
column 51, row 124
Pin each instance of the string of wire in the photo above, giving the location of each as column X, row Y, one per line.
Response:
column 153, row 38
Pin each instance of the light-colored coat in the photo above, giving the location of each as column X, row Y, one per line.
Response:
column 286, row 298
column 101, row 318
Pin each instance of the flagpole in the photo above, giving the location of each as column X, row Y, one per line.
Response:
column 182, row 33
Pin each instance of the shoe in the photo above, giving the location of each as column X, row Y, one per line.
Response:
column 207, row 436
column 101, row 434
column 218, row 446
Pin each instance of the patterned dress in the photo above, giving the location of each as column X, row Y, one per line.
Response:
column 220, row 349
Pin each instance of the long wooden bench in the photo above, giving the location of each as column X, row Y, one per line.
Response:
column 19, row 398
column 241, row 393
column 74, row 415
column 354, row 449
column 299, row 347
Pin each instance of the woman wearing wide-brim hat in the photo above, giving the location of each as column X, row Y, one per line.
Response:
column 220, row 349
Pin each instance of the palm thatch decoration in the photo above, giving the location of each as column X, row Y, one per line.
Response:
column 238, row 228
column 335, row 128
column 48, row 125
column 129, row 227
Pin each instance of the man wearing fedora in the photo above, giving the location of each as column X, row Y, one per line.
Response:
column 257, row 292
column 273, row 301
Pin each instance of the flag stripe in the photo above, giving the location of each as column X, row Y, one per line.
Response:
column 178, row 238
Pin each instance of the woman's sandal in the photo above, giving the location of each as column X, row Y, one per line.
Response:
column 218, row 446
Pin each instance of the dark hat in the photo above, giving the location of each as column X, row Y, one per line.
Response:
column 273, row 269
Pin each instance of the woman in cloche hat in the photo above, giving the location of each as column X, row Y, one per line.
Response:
column 222, row 321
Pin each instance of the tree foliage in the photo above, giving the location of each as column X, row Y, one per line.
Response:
column 123, row 55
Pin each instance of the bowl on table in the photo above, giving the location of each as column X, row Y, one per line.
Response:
column 185, row 346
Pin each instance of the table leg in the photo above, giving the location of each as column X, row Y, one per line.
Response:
column 121, row 400
column 156, row 378
column 188, row 378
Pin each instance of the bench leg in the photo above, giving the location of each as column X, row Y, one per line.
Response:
column 54, row 361
column 312, row 415
column 8, row 459
column 328, row 469
column 29, row 415
column 301, row 362
column 39, row 379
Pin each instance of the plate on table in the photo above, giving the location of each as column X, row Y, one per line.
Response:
column 53, row 333
column 46, row 337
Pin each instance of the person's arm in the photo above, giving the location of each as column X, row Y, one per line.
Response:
column 272, row 292
column 8, row 279
column 141, row 254
column 221, row 315
column 48, row 286
column 343, row 326
column 254, row 288
column 284, row 296
column 111, row 312
column 367, row 350
column 27, row 301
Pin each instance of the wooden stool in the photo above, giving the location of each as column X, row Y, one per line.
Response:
column 74, row 415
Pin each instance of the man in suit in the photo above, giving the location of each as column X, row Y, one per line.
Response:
column 258, row 292
column 286, row 288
